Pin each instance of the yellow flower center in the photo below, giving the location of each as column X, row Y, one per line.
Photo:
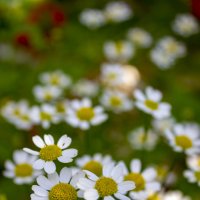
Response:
column 154, row 197
column 197, row 175
column 137, row 179
column 112, row 76
column 119, row 47
column 115, row 101
column 183, row 141
column 60, row 107
column 23, row 170
column 143, row 138
column 25, row 117
column 50, row 153
column 48, row 96
column 172, row 47
column 85, row 113
column 17, row 112
column 45, row 116
column 151, row 104
column 106, row 186
column 55, row 80
column 63, row 191
column 93, row 166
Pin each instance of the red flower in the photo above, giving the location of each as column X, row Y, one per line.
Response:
column 196, row 8
column 23, row 40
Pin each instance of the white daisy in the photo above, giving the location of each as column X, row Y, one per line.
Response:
column 44, row 115
column 81, row 114
column 174, row 195
column 108, row 186
column 62, row 109
column 193, row 176
column 185, row 25
column 49, row 152
column 150, row 102
column 85, row 88
column 92, row 18
column 57, row 187
column 139, row 37
column 145, row 181
column 184, row 138
column 94, row 163
column 56, row 78
column 118, row 51
column 21, row 170
column 117, row 11
column 141, row 139
column 116, row 101
column 193, row 162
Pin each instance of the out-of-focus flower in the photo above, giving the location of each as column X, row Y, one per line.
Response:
column 47, row 93
column 145, row 180
column 85, row 88
column 118, row 51
column 23, row 40
column 6, row 52
column 62, row 109
column 193, row 162
column 50, row 152
column 21, row 170
column 167, row 51
column 117, row 12
column 116, row 101
column 92, row 18
column 174, row 195
column 141, row 139
column 185, row 25
column 94, row 163
column 184, row 138
column 193, row 176
column 107, row 186
column 18, row 113
column 139, row 37
column 57, row 186
column 150, row 102
column 161, row 125
column 82, row 114
column 44, row 115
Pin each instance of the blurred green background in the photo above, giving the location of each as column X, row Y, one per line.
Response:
column 77, row 51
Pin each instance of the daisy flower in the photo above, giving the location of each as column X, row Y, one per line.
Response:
column 85, row 88
column 174, row 195
column 193, row 162
column 139, row 37
column 116, row 101
column 44, row 115
column 56, row 78
column 117, row 12
column 193, row 176
column 92, row 18
column 141, row 139
column 107, row 186
column 150, row 102
column 21, row 170
column 184, row 138
column 145, row 181
column 94, row 163
column 111, row 74
column 185, row 25
column 57, row 186
column 62, row 109
column 47, row 93
column 81, row 114
column 50, row 152
column 118, row 51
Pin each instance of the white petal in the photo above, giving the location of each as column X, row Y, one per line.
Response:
column 64, row 159
column 136, row 165
column 49, row 167
column 39, row 164
column 71, row 153
column 30, row 151
column 48, row 139
column 65, row 175
column 85, row 184
column 91, row 194
column 64, row 142
column 126, row 186
column 44, row 182
column 38, row 141
column 39, row 191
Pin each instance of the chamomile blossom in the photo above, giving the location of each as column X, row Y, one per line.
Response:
column 150, row 102
column 174, row 195
column 82, row 114
column 57, row 186
column 92, row 18
column 21, row 170
column 85, row 88
column 184, row 138
column 61, row 108
column 118, row 51
column 47, row 93
column 110, row 185
column 117, row 12
column 55, row 78
column 139, row 37
column 111, row 74
column 44, row 115
column 94, row 163
column 193, row 162
column 145, row 180
column 50, row 152
column 18, row 113
column 141, row 139
column 185, row 25
column 116, row 101
column 193, row 176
